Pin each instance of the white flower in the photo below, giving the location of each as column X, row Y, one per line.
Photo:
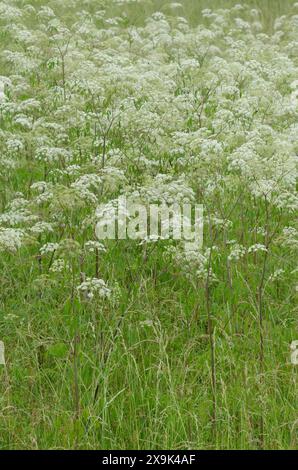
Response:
column 41, row 227
column 94, row 286
column 11, row 239
column 14, row 144
column 92, row 245
column 257, row 247
column 49, row 248
column 59, row 265
column 237, row 252
column 277, row 275
column 53, row 155
column 39, row 186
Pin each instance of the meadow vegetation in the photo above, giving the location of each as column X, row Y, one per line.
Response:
column 116, row 344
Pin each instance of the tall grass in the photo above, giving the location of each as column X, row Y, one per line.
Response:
column 174, row 364
column 191, row 9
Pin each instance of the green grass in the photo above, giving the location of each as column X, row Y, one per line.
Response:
column 191, row 9
column 144, row 381
column 137, row 374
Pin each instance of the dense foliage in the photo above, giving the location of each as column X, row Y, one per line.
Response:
column 118, row 344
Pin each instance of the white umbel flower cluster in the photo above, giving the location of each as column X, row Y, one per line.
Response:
column 94, row 287
column 11, row 239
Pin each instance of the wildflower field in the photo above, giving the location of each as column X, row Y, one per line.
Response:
column 155, row 343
